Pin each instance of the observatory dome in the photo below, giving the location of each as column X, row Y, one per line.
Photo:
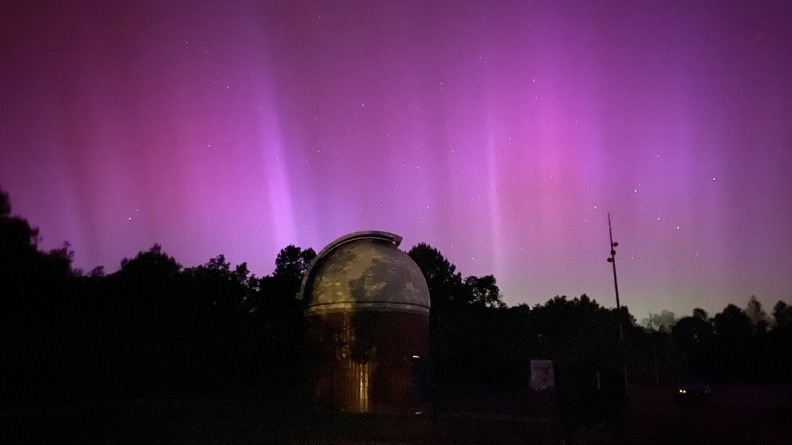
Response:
column 365, row 271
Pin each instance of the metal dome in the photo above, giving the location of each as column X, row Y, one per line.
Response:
column 365, row 271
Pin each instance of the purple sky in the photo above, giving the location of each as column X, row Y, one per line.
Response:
column 499, row 132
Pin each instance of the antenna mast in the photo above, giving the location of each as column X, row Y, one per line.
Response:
column 612, row 260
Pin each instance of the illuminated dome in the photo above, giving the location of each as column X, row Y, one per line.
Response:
column 365, row 271
column 367, row 307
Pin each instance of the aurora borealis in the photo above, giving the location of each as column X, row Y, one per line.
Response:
column 501, row 133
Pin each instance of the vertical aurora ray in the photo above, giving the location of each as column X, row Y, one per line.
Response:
column 279, row 198
column 498, row 241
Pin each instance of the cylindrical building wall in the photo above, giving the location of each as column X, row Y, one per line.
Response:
column 367, row 305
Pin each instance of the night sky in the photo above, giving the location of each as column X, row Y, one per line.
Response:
column 500, row 133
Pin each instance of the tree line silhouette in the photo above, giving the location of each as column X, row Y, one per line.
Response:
column 155, row 328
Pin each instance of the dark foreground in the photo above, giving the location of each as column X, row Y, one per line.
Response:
column 737, row 415
column 748, row 414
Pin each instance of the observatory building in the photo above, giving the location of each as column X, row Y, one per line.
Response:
column 367, row 305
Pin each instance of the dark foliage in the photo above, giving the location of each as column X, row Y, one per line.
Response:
column 152, row 328
column 155, row 328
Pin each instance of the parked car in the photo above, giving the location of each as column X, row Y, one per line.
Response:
column 693, row 390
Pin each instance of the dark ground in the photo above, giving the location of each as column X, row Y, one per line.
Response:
column 750, row 414
column 746, row 414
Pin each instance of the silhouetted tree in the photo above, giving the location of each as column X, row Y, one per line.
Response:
column 37, row 309
column 733, row 323
column 696, row 340
column 701, row 314
column 735, row 329
column 483, row 291
column 279, row 290
column 147, row 293
column 579, row 330
column 664, row 321
column 219, row 286
column 97, row 272
column 780, row 343
column 5, row 204
column 756, row 314
column 444, row 282
column 17, row 238
column 277, row 309
column 782, row 314
column 291, row 264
